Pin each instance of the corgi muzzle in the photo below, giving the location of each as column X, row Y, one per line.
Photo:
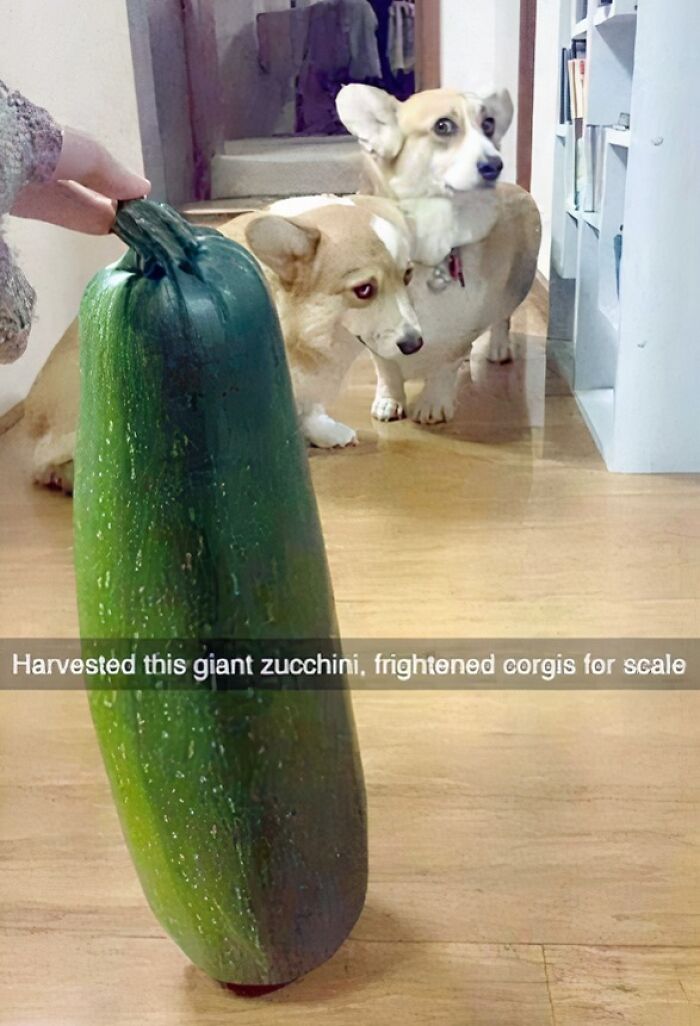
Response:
column 411, row 343
column 490, row 170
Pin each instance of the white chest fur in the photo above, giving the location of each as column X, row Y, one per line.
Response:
column 442, row 224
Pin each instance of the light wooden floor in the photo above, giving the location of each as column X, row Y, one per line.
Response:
column 535, row 857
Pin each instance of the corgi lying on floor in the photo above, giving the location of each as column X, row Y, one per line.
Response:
column 476, row 244
column 338, row 270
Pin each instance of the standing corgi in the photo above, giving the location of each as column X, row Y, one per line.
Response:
column 476, row 242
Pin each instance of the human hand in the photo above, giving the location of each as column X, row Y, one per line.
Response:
column 84, row 190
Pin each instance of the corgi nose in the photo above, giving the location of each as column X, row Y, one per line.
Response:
column 490, row 169
column 411, row 343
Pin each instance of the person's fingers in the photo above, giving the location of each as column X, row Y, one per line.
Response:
column 85, row 160
column 67, row 204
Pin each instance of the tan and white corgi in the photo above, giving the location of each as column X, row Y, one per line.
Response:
column 338, row 270
column 436, row 156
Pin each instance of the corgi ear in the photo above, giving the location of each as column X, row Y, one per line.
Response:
column 372, row 116
column 499, row 106
column 282, row 245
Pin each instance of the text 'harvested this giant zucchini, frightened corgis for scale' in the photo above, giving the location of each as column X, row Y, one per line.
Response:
column 338, row 269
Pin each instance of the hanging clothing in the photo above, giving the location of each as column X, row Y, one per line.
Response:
column 270, row 6
column 355, row 19
column 311, row 51
column 282, row 41
column 326, row 68
column 402, row 36
column 362, row 25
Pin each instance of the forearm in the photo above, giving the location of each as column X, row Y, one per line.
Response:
column 16, row 307
column 30, row 145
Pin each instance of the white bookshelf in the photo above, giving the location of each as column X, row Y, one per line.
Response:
column 632, row 354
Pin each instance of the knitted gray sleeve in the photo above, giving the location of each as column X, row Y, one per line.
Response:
column 30, row 146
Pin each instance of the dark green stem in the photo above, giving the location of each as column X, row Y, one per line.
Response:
column 158, row 234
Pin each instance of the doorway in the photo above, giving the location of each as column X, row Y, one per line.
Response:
column 237, row 97
column 283, row 62
column 281, row 67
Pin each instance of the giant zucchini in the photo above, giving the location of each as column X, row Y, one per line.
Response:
column 195, row 520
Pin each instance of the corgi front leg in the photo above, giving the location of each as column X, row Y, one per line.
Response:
column 436, row 403
column 390, row 397
column 53, row 461
column 323, row 432
column 501, row 347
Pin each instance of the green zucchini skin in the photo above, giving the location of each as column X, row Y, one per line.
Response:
column 195, row 519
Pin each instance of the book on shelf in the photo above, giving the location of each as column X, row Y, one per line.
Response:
column 572, row 91
column 564, row 91
column 617, row 248
column 571, row 65
column 593, row 157
column 579, row 183
column 577, row 78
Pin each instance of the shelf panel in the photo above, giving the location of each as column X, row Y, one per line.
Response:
column 612, row 316
column 593, row 218
column 619, row 137
column 573, row 212
column 613, row 216
column 611, row 60
column 617, row 13
column 580, row 29
column 598, row 410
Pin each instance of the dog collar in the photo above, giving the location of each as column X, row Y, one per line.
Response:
column 456, row 267
column 450, row 270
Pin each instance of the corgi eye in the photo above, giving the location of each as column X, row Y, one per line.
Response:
column 488, row 127
column 366, row 291
column 445, row 127
column 408, row 276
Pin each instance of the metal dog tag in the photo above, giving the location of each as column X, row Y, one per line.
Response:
column 440, row 280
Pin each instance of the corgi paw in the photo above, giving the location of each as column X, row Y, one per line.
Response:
column 325, row 433
column 501, row 351
column 433, row 410
column 386, row 409
column 57, row 478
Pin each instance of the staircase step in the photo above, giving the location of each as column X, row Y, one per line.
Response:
column 214, row 213
column 299, row 166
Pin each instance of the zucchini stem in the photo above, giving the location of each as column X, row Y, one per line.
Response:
column 162, row 239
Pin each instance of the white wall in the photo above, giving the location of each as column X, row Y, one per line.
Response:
column 507, row 70
column 545, row 117
column 175, row 59
column 480, row 51
column 73, row 57
column 480, row 47
column 171, row 90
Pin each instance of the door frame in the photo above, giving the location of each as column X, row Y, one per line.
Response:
column 428, row 55
column 526, row 91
